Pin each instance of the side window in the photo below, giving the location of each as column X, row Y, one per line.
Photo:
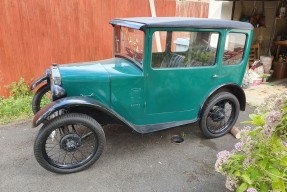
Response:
column 234, row 48
column 171, row 49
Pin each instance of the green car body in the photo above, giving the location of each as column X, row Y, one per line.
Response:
column 165, row 72
column 144, row 97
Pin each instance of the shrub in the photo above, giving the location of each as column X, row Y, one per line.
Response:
column 19, row 89
column 18, row 105
column 259, row 160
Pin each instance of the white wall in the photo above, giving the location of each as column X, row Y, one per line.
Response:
column 220, row 9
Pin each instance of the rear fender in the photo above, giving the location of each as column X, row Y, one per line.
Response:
column 232, row 88
column 74, row 103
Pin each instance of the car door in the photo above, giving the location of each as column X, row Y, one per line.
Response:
column 182, row 75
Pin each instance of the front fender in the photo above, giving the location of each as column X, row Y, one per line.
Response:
column 35, row 83
column 70, row 102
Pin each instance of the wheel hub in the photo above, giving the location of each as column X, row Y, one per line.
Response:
column 218, row 114
column 70, row 142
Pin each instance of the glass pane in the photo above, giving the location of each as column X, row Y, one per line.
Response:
column 234, row 48
column 129, row 43
column 184, row 49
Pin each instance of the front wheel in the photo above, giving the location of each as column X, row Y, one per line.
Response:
column 69, row 143
column 219, row 115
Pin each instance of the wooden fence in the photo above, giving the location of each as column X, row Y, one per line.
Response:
column 36, row 33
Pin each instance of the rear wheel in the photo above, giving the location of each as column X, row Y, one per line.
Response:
column 69, row 143
column 41, row 98
column 219, row 115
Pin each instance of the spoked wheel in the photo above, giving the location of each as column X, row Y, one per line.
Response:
column 41, row 98
column 69, row 143
column 219, row 115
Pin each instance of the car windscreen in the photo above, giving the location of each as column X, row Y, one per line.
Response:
column 129, row 43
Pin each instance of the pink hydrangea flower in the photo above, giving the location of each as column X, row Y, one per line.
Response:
column 271, row 122
column 268, row 130
column 247, row 162
column 223, row 154
column 251, row 190
column 239, row 146
column 278, row 102
column 231, row 183
column 273, row 118
column 222, row 159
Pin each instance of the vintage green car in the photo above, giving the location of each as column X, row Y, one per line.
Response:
column 166, row 72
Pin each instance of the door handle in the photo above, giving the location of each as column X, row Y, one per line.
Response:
column 215, row 76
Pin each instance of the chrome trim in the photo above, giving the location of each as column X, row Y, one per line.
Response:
column 55, row 75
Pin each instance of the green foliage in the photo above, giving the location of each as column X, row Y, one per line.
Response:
column 13, row 109
column 257, row 120
column 259, row 160
column 19, row 89
column 18, row 105
column 202, row 55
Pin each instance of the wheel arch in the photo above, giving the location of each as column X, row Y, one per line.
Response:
column 101, row 116
column 83, row 105
column 232, row 88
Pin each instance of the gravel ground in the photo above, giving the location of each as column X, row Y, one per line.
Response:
column 255, row 95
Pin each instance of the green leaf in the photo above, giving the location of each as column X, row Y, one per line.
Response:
column 274, row 174
column 263, row 164
column 237, row 173
column 246, row 122
column 252, row 116
column 242, row 187
column 257, row 120
column 275, row 186
column 264, row 187
column 283, row 162
column 282, row 185
column 246, row 179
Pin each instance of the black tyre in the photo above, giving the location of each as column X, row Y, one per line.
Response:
column 219, row 115
column 69, row 143
column 41, row 98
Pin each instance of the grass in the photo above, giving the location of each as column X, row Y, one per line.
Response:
column 15, row 108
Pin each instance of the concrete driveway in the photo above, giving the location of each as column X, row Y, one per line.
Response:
column 130, row 162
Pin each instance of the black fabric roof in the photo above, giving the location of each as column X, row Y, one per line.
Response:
column 146, row 22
